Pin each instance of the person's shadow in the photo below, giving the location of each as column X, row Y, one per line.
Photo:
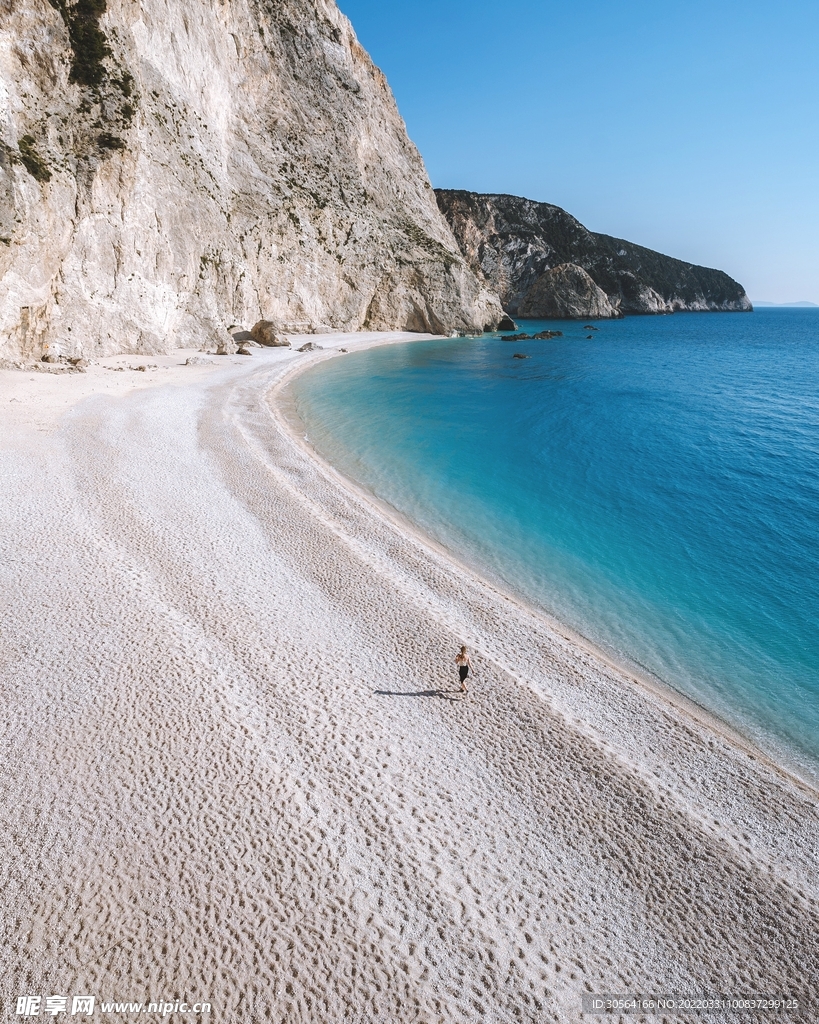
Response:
column 443, row 694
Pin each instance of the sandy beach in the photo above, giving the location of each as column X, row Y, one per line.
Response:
column 236, row 768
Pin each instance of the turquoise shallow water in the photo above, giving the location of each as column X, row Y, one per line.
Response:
column 655, row 487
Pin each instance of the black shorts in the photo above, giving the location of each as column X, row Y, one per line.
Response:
column 463, row 671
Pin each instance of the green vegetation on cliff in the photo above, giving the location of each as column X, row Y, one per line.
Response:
column 88, row 43
column 32, row 161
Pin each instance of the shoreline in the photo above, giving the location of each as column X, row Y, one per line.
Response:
column 237, row 768
column 283, row 405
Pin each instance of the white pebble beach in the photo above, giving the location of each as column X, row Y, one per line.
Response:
column 235, row 767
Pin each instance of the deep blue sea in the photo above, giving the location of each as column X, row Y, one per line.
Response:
column 654, row 486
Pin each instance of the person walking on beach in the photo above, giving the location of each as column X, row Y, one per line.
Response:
column 464, row 665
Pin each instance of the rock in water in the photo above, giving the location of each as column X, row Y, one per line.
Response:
column 264, row 332
column 205, row 164
column 513, row 242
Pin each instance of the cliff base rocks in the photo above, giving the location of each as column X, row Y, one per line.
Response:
column 265, row 333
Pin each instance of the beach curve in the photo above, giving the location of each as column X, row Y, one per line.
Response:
column 237, row 767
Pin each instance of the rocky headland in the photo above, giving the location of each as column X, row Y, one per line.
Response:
column 171, row 171
column 543, row 262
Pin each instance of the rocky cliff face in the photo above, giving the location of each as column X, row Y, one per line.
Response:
column 172, row 168
column 544, row 263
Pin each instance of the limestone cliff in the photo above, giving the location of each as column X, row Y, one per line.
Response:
column 544, row 263
column 566, row 292
column 173, row 168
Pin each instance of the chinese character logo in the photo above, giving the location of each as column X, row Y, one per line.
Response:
column 28, row 1006
column 56, row 1004
column 82, row 1004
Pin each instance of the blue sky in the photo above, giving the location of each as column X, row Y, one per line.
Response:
column 690, row 127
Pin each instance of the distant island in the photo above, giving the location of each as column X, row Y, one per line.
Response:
column 787, row 305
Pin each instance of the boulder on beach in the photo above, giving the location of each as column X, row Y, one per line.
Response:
column 265, row 333
column 310, row 346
